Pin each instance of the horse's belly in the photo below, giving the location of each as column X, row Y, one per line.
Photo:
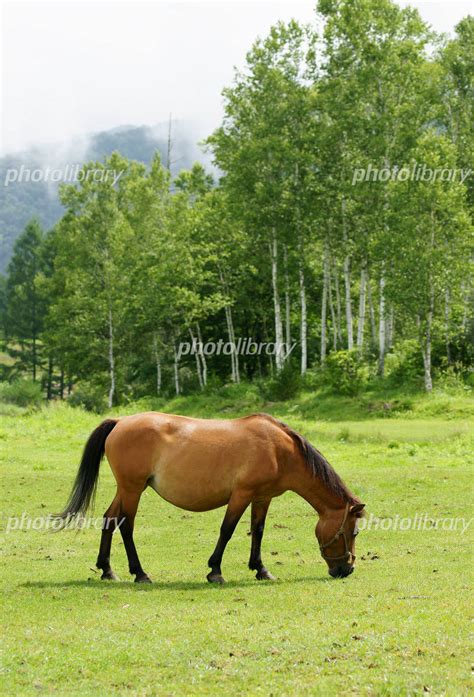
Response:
column 190, row 490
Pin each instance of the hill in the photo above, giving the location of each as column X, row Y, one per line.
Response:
column 22, row 199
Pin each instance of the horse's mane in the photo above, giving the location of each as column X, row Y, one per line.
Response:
column 317, row 463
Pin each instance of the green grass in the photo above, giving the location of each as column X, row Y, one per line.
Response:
column 397, row 626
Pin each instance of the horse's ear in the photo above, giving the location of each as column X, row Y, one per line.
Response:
column 357, row 508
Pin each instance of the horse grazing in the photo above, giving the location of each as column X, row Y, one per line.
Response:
column 202, row 464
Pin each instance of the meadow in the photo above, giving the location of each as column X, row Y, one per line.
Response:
column 397, row 626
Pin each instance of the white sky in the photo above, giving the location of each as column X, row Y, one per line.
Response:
column 72, row 68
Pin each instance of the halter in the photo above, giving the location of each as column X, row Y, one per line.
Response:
column 347, row 556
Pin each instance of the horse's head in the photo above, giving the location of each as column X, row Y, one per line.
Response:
column 336, row 532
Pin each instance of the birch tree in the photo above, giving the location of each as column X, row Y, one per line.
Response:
column 433, row 228
column 87, row 320
column 255, row 147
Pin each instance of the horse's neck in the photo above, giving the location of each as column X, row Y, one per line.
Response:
column 315, row 492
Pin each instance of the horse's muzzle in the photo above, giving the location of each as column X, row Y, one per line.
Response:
column 341, row 571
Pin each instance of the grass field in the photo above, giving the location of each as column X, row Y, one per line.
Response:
column 397, row 626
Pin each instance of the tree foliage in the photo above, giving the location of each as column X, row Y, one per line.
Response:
column 291, row 244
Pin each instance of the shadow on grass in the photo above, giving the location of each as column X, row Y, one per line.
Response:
column 170, row 585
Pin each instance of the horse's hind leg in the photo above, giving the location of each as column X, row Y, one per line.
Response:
column 259, row 513
column 235, row 509
column 108, row 526
column 128, row 509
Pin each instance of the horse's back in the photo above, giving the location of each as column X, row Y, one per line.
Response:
column 195, row 464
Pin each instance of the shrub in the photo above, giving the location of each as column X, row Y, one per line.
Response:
column 23, row 393
column 91, row 397
column 404, row 364
column 313, row 379
column 284, row 385
column 451, row 380
column 344, row 372
column 470, row 378
column 344, row 435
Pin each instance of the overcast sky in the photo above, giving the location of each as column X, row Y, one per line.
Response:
column 73, row 68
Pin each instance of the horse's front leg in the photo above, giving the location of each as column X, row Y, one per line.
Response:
column 235, row 509
column 259, row 513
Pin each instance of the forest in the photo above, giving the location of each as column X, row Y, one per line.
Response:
column 339, row 224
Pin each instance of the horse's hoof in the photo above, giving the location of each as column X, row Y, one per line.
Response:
column 143, row 579
column 109, row 576
column 215, row 578
column 264, row 575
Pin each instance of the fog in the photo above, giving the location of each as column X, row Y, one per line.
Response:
column 72, row 69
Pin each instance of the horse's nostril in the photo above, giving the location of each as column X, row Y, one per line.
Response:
column 341, row 572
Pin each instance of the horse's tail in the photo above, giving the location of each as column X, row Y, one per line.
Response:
column 85, row 484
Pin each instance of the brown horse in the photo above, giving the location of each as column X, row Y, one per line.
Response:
column 202, row 464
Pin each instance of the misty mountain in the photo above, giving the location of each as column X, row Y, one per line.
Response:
column 25, row 194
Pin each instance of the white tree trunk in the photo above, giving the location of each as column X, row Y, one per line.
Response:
column 373, row 330
column 390, row 329
column 333, row 314
column 382, row 318
column 157, row 363
column 236, row 355
column 465, row 298
column 427, row 349
column 234, row 359
column 304, row 322
column 233, row 356
column 230, row 335
column 361, row 319
column 287, row 300
column 324, row 305
column 198, row 359
column 276, row 304
column 302, row 288
column 347, row 284
column 338, row 305
column 347, row 280
column 382, row 325
column 111, row 359
column 177, row 387
column 201, row 355
column 446, row 324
